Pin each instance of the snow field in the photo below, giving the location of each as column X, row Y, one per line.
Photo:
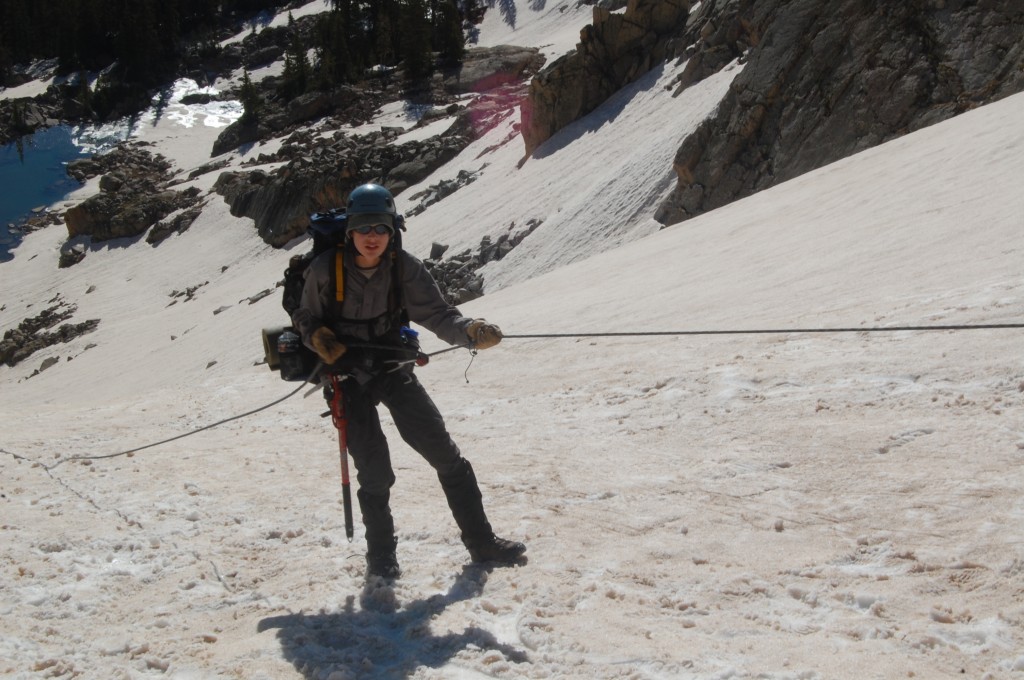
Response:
column 783, row 506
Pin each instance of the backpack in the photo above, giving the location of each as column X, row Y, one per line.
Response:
column 282, row 347
column 328, row 232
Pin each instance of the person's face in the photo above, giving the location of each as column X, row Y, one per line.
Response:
column 372, row 245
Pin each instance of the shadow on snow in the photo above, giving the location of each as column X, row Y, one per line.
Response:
column 383, row 637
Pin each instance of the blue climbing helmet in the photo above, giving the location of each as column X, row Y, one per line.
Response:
column 368, row 205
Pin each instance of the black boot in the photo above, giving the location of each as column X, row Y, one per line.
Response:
column 494, row 549
column 466, row 503
column 380, row 535
column 382, row 563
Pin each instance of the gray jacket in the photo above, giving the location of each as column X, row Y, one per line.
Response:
column 367, row 299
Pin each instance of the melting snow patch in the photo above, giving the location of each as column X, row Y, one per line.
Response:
column 977, row 637
column 216, row 114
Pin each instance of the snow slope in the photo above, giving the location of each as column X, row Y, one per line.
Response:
column 613, row 167
column 784, row 506
column 552, row 27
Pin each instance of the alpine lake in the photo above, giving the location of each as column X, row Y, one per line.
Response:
column 32, row 176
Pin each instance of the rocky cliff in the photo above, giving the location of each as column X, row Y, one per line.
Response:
column 614, row 51
column 828, row 78
column 822, row 79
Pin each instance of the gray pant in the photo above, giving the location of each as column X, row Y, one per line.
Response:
column 421, row 426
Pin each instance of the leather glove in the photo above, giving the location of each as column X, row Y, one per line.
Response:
column 326, row 345
column 482, row 334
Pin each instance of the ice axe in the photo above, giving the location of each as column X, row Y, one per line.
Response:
column 338, row 417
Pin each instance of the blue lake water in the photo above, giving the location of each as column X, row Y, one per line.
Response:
column 33, row 174
column 32, row 177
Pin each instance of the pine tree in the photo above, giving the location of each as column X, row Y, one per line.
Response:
column 83, row 92
column 296, row 76
column 250, row 98
column 169, row 30
column 5, row 64
column 65, row 36
column 331, row 45
column 383, row 40
column 449, row 40
column 470, row 11
column 16, row 30
column 357, row 19
column 415, row 44
column 137, row 43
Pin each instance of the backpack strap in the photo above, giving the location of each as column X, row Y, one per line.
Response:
column 396, row 299
column 339, row 275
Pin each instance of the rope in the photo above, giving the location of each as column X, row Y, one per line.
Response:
column 186, row 434
column 405, row 350
column 877, row 329
column 765, row 331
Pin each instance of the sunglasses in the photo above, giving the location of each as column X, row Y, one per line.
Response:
column 379, row 229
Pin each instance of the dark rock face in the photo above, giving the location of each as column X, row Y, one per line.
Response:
column 133, row 194
column 828, row 78
column 281, row 203
column 322, row 171
column 458, row 276
column 32, row 334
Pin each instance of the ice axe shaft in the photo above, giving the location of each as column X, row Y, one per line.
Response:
column 338, row 417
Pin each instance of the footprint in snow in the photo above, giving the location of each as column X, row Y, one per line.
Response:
column 898, row 440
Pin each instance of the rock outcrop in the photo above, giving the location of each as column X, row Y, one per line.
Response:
column 484, row 69
column 174, row 224
column 32, row 334
column 133, row 194
column 321, row 168
column 319, row 172
column 822, row 79
column 458, row 276
column 828, row 78
column 349, row 104
column 617, row 49
column 23, row 116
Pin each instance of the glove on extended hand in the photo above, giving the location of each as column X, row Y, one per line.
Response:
column 483, row 334
column 326, row 344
